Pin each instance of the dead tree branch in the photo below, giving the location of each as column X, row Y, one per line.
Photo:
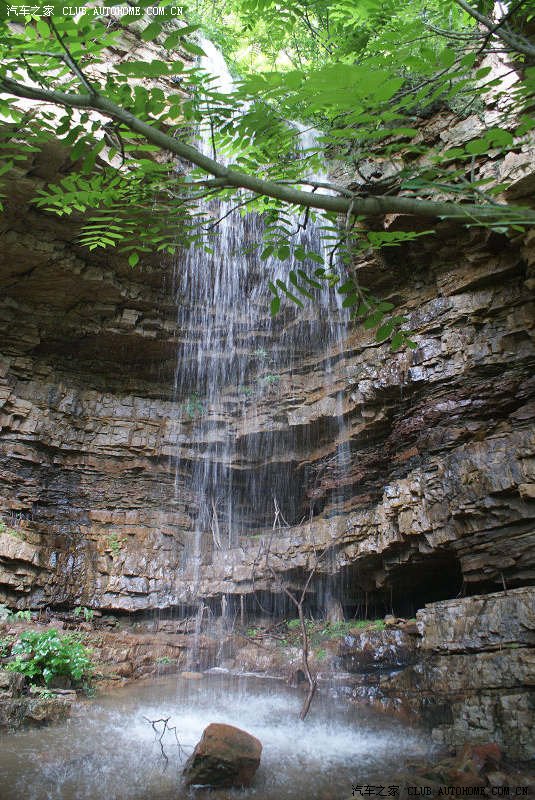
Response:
column 164, row 721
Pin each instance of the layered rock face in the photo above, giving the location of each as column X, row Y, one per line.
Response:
column 88, row 357
column 481, row 661
column 412, row 474
column 475, row 671
column 415, row 470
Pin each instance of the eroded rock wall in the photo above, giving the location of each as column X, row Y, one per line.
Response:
column 415, row 468
column 476, row 671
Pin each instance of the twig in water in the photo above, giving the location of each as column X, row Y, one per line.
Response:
column 159, row 737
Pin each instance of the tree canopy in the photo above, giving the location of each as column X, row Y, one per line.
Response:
column 363, row 73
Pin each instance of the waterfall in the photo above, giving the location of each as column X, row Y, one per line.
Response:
column 230, row 354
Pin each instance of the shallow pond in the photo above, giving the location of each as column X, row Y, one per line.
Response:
column 109, row 750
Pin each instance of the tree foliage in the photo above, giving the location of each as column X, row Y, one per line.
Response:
column 362, row 73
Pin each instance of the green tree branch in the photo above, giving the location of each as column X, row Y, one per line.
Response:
column 226, row 177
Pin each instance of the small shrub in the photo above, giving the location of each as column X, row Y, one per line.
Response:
column 294, row 624
column 331, row 630
column 7, row 615
column 165, row 660
column 41, row 656
column 21, row 615
column 87, row 612
column 372, row 624
column 4, row 528
column 193, row 407
column 114, row 544
column 270, row 379
column 260, row 352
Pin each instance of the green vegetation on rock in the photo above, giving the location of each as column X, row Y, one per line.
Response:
column 42, row 656
column 323, row 631
column 87, row 613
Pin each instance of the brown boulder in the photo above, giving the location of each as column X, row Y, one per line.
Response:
column 225, row 756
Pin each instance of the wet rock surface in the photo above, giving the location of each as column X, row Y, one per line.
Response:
column 225, row 757
column 21, row 705
column 364, row 652
column 427, row 486
column 34, row 711
column 490, row 622
column 480, row 768
column 474, row 679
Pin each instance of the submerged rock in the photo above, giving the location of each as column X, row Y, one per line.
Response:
column 225, row 756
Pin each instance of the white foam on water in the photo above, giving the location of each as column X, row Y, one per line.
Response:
column 112, row 752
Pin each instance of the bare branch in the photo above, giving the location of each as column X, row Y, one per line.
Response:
column 71, row 61
column 160, row 735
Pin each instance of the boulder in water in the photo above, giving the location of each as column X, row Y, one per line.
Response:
column 225, row 756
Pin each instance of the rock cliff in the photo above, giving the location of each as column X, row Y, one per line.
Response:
column 421, row 481
column 413, row 472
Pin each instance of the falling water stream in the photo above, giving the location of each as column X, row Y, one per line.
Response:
column 230, row 357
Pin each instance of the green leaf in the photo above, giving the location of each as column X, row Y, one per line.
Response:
column 385, row 306
column 397, row 341
column 293, row 298
column 447, row 57
column 300, row 289
column 346, row 288
column 283, row 252
column 151, row 31
column 302, row 274
column 275, row 306
column 384, row 331
column 194, row 49
column 373, row 320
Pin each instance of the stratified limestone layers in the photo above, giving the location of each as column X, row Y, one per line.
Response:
column 428, row 482
column 476, row 671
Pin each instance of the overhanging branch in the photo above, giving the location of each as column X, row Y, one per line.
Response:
column 225, row 177
column 514, row 41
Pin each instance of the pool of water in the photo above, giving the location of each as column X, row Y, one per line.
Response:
column 109, row 750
